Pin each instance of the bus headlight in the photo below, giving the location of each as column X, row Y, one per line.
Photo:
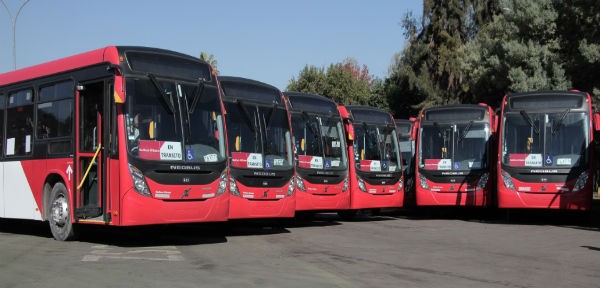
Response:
column 345, row 186
column 400, row 184
column 300, row 183
column 361, row 184
column 139, row 183
column 222, row 183
column 581, row 181
column 233, row 189
column 423, row 182
column 508, row 183
column 483, row 180
column 291, row 187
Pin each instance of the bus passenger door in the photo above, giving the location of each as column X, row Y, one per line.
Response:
column 89, row 185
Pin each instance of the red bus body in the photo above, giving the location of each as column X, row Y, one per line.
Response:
column 375, row 181
column 260, row 150
column 77, row 145
column 453, row 157
column 545, row 155
column 321, row 159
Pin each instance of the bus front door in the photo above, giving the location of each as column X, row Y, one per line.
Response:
column 89, row 185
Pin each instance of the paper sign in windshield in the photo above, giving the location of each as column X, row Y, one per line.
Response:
column 160, row 150
column 313, row 162
column 370, row 165
column 525, row 160
column 246, row 160
column 438, row 164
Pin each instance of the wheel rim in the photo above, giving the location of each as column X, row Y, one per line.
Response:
column 60, row 211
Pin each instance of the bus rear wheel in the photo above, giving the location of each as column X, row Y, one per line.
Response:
column 60, row 217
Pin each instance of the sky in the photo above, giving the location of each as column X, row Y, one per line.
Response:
column 270, row 41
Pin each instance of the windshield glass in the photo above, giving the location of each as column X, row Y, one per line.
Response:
column 454, row 146
column 259, row 136
column 174, row 121
column 319, row 142
column 376, row 148
column 558, row 140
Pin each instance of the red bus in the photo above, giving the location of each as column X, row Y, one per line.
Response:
column 104, row 137
column 454, row 149
column 260, row 150
column 321, row 159
column 405, row 128
column 545, row 151
column 374, row 159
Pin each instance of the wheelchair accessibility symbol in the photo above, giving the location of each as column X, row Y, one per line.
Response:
column 549, row 159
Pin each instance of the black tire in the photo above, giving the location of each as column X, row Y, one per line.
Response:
column 59, row 216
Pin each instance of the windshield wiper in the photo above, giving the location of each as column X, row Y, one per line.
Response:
column 198, row 90
column 464, row 134
column 528, row 119
column 247, row 115
column 164, row 95
column 560, row 121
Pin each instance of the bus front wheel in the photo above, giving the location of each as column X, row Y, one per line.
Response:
column 60, row 217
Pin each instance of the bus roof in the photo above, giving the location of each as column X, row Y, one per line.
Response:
column 108, row 54
column 547, row 100
column 458, row 112
column 312, row 103
column 363, row 113
column 238, row 88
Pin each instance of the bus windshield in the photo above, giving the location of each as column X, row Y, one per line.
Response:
column 454, row 146
column 557, row 140
column 319, row 142
column 259, row 136
column 376, row 148
column 174, row 121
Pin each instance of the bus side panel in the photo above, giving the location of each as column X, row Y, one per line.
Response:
column 142, row 210
column 113, row 181
column 445, row 197
column 508, row 198
column 306, row 201
column 19, row 200
column 243, row 208
column 37, row 171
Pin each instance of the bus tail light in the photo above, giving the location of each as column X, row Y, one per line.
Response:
column 222, row 183
column 361, row 184
column 139, row 183
column 581, row 181
column 300, row 183
column 233, row 187
column 291, row 187
column 483, row 180
column 423, row 182
column 508, row 183
column 345, row 186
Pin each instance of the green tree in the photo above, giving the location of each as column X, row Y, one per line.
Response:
column 519, row 50
column 210, row 59
column 430, row 69
column 580, row 43
column 346, row 83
